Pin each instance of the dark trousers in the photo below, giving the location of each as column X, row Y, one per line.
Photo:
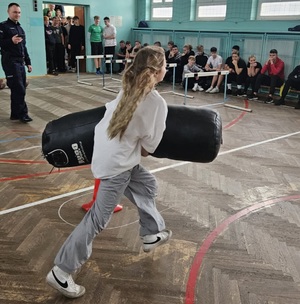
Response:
column 50, row 51
column 75, row 51
column 60, row 57
column 178, row 74
column 16, row 81
column 239, row 79
column 272, row 81
column 191, row 82
column 250, row 81
column 290, row 83
column 109, row 50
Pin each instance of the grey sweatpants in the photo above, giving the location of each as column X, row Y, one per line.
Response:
column 140, row 187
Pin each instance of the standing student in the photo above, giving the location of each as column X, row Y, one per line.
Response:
column 95, row 31
column 14, row 58
column 50, row 46
column 132, row 127
column 110, row 42
column 76, row 41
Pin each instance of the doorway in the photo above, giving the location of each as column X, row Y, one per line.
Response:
column 71, row 10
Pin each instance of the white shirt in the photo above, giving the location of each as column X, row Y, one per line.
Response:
column 215, row 62
column 110, row 31
column 112, row 156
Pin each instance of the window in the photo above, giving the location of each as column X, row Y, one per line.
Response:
column 162, row 9
column 278, row 10
column 211, row 9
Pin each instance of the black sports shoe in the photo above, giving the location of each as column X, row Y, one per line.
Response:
column 279, row 102
column 229, row 92
column 269, row 99
column 14, row 117
column 25, row 119
column 239, row 93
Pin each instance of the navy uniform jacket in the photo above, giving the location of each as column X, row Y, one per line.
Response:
column 10, row 51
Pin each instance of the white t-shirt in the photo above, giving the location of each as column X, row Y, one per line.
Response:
column 214, row 62
column 112, row 156
column 109, row 31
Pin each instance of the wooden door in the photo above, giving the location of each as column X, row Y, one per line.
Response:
column 79, row 11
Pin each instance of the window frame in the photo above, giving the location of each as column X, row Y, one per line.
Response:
column 276, row 17
column 162, row 4
column 210, row 3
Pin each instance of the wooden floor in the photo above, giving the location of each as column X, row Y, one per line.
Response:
column 235, row 222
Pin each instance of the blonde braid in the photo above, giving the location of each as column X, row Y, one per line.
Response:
column 138, row 80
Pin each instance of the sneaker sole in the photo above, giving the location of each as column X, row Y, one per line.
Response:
column 159, row 243
column 63, row 291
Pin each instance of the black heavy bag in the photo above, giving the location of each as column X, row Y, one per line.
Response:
column 192, row 134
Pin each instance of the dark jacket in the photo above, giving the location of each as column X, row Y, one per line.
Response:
column 77, row 35
column 9, row 50
column 295, row 74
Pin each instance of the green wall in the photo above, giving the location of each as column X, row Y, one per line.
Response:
column 238, row 17
column 32, row 22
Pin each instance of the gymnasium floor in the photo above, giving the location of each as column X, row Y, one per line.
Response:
column 235, row 221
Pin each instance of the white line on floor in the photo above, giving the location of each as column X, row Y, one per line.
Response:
column 50, row 199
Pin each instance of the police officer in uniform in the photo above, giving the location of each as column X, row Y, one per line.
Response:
column 14, row 58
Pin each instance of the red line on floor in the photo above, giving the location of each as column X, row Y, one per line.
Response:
column 233, row 122
column 4, row 179
column 198, row 259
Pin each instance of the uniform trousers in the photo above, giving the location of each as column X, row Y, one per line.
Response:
column 16, row 81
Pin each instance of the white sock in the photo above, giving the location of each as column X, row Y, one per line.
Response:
column 229, row 86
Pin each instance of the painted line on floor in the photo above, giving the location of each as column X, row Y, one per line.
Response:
column 207, row 243
column 19, row 138
column 233, row 122
column 5, row 179
column 152, row 171
column 20, row 150
column 22, row 161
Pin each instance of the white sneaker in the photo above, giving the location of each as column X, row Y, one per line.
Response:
column 152, row 241
column 195, row 87
column 214, row 90
column 208, row 90
column 200, row 88
column 64, row 283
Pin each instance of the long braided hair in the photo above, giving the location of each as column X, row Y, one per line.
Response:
column 138, row 80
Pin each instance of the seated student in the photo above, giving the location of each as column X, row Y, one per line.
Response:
column 174, row 57
column 275, row 78
column 201, row 57
column 201, row 60
column 237, row 72
column 157, row 43
column 191, row 67
column 121, row 55
column 170, row 45
column 136, row 48
column 253, row 69
column 186, row 53
column 214, row 63
column 293, row 81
